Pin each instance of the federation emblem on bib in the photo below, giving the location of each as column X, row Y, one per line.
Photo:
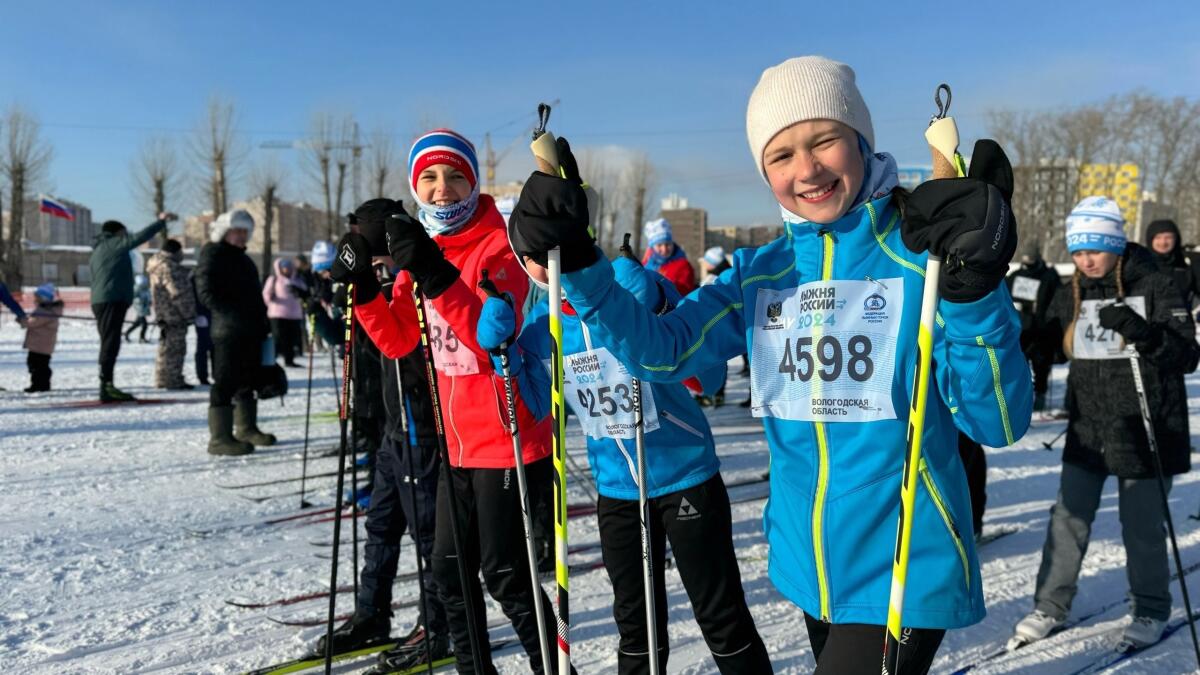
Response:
column 774, row 311
column 874, row 303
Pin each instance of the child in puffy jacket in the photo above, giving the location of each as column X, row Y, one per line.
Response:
column 688, row 502
column 41, row 335
column 281, row 293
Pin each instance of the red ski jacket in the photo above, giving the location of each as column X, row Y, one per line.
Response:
column 470, row 391
column 676, row 269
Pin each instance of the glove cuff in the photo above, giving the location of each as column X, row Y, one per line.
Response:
column 366, row 289
column 575, row 258
column 436, row 278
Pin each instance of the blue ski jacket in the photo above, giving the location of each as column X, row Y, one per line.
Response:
column 680, row 452
column 835, row 486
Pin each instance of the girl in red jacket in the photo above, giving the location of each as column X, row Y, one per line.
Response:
column 460, row 234
column 666, row 257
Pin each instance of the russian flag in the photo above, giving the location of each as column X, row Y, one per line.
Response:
column 56, row 209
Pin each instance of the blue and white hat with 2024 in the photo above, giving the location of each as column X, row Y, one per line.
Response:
column 321, row 256
column 657, row 231
column 1096, row 224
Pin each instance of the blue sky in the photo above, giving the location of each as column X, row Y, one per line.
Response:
column 671, row 79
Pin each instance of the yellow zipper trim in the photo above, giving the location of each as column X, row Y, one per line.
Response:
column 936, row 497
column 1000, row 398
column 881, row 236
column 818, row 520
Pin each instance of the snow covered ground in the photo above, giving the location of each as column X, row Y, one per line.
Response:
column 101, row 570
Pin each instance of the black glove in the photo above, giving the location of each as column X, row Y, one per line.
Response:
column 352, row 265
column 553, row 212
column 968, row 222
column 414, row 251
column 1125, row 321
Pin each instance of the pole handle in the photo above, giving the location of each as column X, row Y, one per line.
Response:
column 942, row 137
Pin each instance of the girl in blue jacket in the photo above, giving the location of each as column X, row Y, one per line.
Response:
column 687, row 498
column 829, row 313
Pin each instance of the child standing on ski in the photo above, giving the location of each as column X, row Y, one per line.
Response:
column 41, row 336
column 1116, row 298
column 688, row 502
column 829, row 313
column 460, row 233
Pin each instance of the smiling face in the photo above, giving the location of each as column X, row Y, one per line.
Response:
column 1163, row 242
column 442, row 185
column 1094, row 264
column 815, row 169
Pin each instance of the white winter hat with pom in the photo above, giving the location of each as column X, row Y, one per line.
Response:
column 238, row 219
column 800, row 89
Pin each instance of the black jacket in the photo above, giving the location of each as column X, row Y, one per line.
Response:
column 1037, row 340
column 419, row 404
column 1181, row 267
column 1105, row 433
column 227, row 283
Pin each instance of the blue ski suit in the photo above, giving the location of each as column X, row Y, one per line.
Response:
column 835, row 485
column 679, row 453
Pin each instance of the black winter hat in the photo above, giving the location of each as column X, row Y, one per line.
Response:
column 372, row 216
column 1157, row 227
column 112, row 226
column 172, row 246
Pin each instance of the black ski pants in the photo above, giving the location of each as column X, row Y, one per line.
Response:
column 39, row 371
column 489, row 509
column 975, row 464
column 857, row 648
column 390, row 515
column 289, row 342
column 110, row 316
column 698, row 523
column 235, row 364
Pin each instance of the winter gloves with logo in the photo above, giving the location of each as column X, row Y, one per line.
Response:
column 352, row 264
column 413, row 250
column 1125, row 321
column 967, row 222
column 553, row 212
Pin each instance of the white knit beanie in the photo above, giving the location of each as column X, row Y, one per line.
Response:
column 238, row 219
column 800, row 89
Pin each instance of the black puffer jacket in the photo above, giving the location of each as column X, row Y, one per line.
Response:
column 1182, row 267
column 1105, row 433
column 227, row 282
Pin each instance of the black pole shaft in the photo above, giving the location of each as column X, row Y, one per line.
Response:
column 1152, row 442
column 307, row 413
column 407, row 446
column 444, row 450
column 343, row 407
column 354, row 504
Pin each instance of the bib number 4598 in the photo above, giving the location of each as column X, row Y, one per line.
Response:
column 829, row 354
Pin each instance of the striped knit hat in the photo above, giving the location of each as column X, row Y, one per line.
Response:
column 1096, row 224
column 443, row 146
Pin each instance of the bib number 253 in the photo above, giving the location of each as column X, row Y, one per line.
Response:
column 855, row 358
column 601, row 402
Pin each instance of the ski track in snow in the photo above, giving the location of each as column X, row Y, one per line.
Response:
column 98, row 573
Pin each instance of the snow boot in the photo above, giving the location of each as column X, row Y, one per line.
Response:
column 1143, row 631
column 360, row 630
column 245, row 424
column 410, row 653
column 110, row 394
column 1034, row 627
column 220, row 433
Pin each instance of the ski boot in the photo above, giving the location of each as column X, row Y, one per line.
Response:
column 1142, row 632
column 360, row 630
column 1032, row 628
column 110, row 394
column 245, row 423
column 410, row 652
column 220, row 430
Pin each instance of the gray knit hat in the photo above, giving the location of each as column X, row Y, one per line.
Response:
column 800, row 89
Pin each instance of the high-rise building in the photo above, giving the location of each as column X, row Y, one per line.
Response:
column 1118, row 181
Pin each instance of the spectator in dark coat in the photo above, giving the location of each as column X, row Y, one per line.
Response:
column 1162, row 238
column 228, row 284
column 1032, row 286
column 112, row 291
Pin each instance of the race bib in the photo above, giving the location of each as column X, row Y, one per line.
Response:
column 1093, row 341
column 1025, row 288
column 599, row 389
column 450, row 355
column 826, row 351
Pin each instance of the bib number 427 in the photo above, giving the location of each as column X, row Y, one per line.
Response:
column 855, row 358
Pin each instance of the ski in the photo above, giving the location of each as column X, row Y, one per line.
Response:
column 1124, row 650
column 1013, row 644
column 314, row 660
column 71, row 405
column 444, row 664
column 308, row 622
column 996, row 533
column 204, row 533
column 277, row 481
column 290, row 600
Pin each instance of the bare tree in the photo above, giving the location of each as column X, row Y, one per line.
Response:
column 215, row 145
column 318, row 163
column 24, row 163
column 156, row 174
column 343, row 154
column 266, row 180
column 596, row 169
column 639, row 183
column 381, row 162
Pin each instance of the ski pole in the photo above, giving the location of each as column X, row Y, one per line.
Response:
column 644, row 517
column 444, row 450
column 354, row 500
column 407, row 446
column 344, row 406
column 1152, row 441
column 546, row 153
column 510, row 400
column 304, row 504
column 942, row 136
column 1049, row 445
